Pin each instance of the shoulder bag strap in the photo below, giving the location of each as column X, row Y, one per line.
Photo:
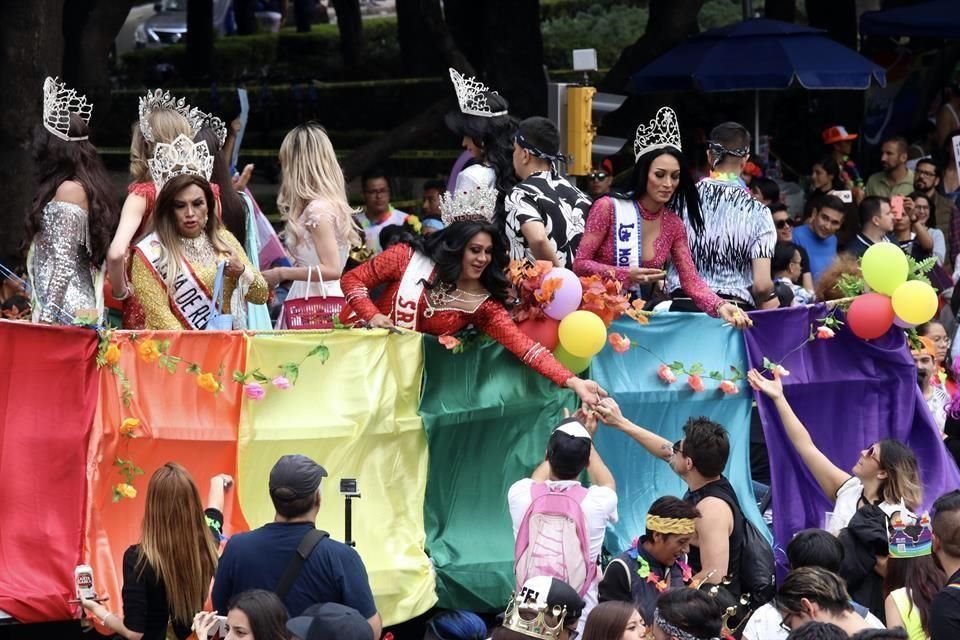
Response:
column 307, row 543
column 218, row 289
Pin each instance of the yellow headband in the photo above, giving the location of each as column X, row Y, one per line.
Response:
column 682, row 526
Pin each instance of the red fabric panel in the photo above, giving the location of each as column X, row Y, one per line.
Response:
column 48, row 396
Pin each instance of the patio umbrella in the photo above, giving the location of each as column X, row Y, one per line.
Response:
column 758, row 54
column 936, row 19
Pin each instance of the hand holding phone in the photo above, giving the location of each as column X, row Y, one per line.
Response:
column 207, row 624
column 896, row 206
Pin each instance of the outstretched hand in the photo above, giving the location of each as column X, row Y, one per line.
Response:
column 609, row 411
column 773, row 389
column 589, row 392
column 734, row 315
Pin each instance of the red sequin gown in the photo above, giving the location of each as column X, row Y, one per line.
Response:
column 490, row 317
column 598, row 246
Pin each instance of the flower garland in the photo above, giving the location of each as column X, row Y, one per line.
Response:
column 645, row 572
column 126, row 467
column 255, row 382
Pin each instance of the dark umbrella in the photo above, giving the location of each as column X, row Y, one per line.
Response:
column 758, row 54
column 936, row 19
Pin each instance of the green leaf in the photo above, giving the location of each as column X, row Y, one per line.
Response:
column 164, row 346
column 193, row 367
column 317, row 350
column 715, row 375
column 696, row 369
column 239, row 377
column 259, row 377
column 769, row 364
column 116, row 496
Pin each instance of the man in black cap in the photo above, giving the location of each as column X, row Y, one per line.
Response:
column 290, row 557
column 330, row 621
column 545, row 594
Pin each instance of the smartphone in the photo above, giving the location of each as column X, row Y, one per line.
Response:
column 219, row 630
column 845, row 195
column 896, row 206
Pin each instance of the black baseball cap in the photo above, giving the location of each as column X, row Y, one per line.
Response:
column 295, row 476
column 551, row 592
column 330, row 621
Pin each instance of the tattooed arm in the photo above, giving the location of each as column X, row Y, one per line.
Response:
column 658, row 446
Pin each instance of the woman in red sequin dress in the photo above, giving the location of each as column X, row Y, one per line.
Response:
column 634, row 237
column 456, row 279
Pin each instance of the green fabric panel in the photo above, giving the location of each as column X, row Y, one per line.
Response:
column 487, row 419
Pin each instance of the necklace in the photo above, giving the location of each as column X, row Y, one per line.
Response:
column 647, row 215
column 447, row 297
column 198, row 250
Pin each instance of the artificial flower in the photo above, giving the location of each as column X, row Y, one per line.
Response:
column 281, row 382
column 665, row 374
column 548, row 288
column 414, row 223
column 729, row 387
column 208, row 382
column 643, row 569
column 112, row 355
column 695, row 382
column 149, row 351
column 825, row 333
column 686, row 571
column 781, row 371
column 450, row 342
column 619, row 343
column 254, row 390
column 129, row 427
column 125, row 490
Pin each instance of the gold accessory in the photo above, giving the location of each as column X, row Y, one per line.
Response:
column 680, row 526
column 525, row 616
column 199, row 250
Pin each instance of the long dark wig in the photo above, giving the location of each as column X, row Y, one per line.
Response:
column 685, row 200
column 231, row 204
column 446, row 249
column 56, row 161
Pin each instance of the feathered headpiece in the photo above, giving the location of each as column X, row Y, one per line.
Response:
column 182, row 156
column 471, row 94
column 59, row 103
column 663, row 131
column 478, row 204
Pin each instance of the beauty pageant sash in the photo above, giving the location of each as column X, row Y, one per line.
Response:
column 406, row 308
column 626, row 221
column 190, row 301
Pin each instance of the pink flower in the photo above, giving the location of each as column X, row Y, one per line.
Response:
column 825, row 333
column 254, row 390
column 666, row 374
column 280, row 382
column 729, row 387
column 450, row 342
column 781, row 371
column 619, row 343
column 695, row 382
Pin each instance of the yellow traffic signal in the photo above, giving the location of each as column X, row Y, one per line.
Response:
column 580, row 129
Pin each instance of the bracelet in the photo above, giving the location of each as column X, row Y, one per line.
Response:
column 126, row 293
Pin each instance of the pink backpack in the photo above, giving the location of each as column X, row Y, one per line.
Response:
column 553, row 539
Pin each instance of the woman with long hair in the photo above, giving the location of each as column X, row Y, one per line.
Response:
column 251, row 615
column 175, row 267
column 166, row 576
column 614, row 621
column 910, row 584
column 455, row 278
column 73, row 213
column 635, row 236
column 319, row 224
column 825, row 176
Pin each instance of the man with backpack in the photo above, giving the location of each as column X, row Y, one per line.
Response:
column 559, row 524
column 727, row 548
column 290, row 556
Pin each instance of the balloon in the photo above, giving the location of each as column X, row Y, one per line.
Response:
column 870, row 316
column 903, row 325
column 568, row 297
column 575, row 364
column 543, row 330
column 915, row 302
column 884, row 267
column 582, row 334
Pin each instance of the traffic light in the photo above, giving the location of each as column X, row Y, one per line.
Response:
column 580, row 129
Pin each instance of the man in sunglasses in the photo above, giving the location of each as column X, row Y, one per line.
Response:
column 784, row 223
column 600, row 179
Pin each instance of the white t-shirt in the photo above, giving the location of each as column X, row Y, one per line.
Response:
column 937, row 403
column 599, row 508
column 764, row 624
column 371, row 231
column 475, row 176
column 848, row 496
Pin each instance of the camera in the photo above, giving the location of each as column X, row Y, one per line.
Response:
column 349, row 488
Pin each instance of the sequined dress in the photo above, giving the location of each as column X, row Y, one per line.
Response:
column 595, row 255
column 60, row 270
column 489, row 316
column 202, row 257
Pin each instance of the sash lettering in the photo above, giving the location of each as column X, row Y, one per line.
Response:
column 406, row 308
column 627, row 225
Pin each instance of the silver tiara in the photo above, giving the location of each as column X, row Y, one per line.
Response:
column 182, row 156
column 478, row 204
column 58, row 103
column 663, row 131
column 471, row 94
column 210, row 121
column 158, row 100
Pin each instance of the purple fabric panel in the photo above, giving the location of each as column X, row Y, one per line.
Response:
column 849, row 393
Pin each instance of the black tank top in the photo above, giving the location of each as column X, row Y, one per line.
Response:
column 723, row 490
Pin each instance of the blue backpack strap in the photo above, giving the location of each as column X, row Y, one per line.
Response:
column 218, row 290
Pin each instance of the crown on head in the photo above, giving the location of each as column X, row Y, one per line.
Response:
column 59, row 103
column 910, row 540
column 524, row 615
column 158, row 100
column 478, row 204
column 210, row 121
column 663, row 131
column 178, row 158
column 471, row 94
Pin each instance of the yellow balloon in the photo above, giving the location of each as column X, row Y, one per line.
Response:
column 884, row 267
column 575, row 364
column 582, row 334
column 914, row 302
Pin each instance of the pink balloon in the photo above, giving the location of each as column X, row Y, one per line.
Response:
column 568, row 297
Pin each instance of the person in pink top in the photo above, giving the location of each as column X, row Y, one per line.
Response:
column 635, row 236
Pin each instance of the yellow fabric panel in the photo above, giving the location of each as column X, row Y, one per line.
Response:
column 357, row 416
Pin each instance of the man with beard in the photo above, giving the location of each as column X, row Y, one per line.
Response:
column 896, row 178
column 937, row 399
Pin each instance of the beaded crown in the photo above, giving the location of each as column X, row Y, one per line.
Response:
column 59, row 103
column 663, row 131
column 471, row 96
column 158, row 100
column 210, row 121
column 180, row 157
column 528, row 617
column 911, row 541
column 478, row 204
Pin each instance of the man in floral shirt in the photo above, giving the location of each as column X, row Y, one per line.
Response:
column 656, row 561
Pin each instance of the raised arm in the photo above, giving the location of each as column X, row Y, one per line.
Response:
column 134, row 208
column 658, row 446
column 829, row 476
column 596, row 232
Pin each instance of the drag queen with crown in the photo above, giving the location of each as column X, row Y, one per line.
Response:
column 635, row 236
column 454, row 279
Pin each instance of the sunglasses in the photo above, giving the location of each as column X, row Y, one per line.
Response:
column 785, row 621
column 597, row 176
column 783, row 224
column 677, row 447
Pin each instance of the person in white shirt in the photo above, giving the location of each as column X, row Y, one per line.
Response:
column 377, row 211
column 570, row 451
